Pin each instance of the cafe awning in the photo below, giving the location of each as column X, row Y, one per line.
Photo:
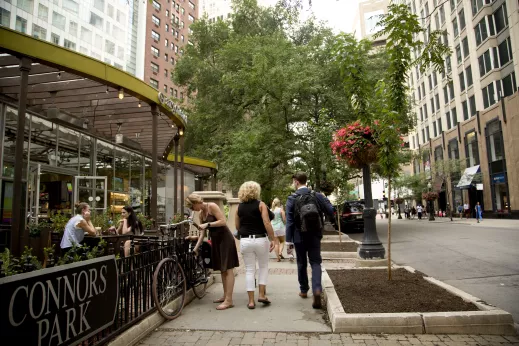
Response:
column 466, row 178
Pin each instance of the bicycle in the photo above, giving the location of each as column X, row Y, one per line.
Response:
column 169, row 278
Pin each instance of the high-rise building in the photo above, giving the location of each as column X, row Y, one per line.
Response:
column 366, row 19
column 462, row 113
column 222, row 9
column 104, row 30
column 167, row 33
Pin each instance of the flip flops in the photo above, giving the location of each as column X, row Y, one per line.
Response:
column 224, row 307
column 264, row 301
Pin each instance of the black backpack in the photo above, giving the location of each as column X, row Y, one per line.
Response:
column 308, row 214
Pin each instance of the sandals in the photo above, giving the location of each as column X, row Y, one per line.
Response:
column 251, row 306
column 224, row 307
column 265, row 301
column 219, row 300
column 281, row 256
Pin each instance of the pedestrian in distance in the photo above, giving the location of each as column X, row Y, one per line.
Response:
column 460, row 210
column 257, row 239
column 224, row 256
column 304, row 228
column 413, row 212
column 479, row 212
column 419, row 210
column 466, row 210
column 278, row 224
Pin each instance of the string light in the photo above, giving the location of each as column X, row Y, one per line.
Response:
column 121, row 93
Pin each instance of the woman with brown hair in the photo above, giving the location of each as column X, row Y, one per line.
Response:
column 224, row 255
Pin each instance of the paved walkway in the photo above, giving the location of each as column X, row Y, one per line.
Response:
column 288, row 321
column 211, row 338
column 491, row 223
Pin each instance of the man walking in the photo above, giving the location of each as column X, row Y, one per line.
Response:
column 419, row 209
column 466, row 209
column 304, row 228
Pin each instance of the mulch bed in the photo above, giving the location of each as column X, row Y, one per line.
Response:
column 339, row 247
column 369, row 291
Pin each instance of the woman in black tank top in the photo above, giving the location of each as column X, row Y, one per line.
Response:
column 256, row 239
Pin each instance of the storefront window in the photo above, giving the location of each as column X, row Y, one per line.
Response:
column 136, row 182
column 495, row 139
column 161, row 193
column 105, row 162
column 501, row 199
column 68, row 149
column 122, row 170
column 86, row 150
column 147, row 186
column 471, row 149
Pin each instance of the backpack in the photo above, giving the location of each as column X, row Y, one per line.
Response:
column 308, row 214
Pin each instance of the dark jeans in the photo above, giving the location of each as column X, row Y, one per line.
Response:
column 311, row 247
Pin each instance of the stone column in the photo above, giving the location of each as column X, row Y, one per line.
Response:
column 233, row 206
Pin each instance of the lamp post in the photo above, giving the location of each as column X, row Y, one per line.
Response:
column 431, row 204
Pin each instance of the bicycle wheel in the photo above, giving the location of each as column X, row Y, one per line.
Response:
column 169, row 288
column 199, row 277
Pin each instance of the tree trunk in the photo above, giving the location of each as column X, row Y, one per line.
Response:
column 389, row 231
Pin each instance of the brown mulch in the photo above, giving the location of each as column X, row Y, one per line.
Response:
column 339, row 247
column 369, row 291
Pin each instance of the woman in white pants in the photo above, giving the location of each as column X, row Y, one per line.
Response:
column 256, row 239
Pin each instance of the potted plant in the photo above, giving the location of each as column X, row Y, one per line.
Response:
column 356, row 144
column 147, row 222
column 430, row 196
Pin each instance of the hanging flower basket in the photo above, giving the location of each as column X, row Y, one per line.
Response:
column 399, row 200
column 356, row 145
column 430, row 196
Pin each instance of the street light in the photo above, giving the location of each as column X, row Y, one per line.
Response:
column 431, row 204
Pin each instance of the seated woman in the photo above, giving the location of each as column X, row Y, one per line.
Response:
column 76, row 228
column 129, row 224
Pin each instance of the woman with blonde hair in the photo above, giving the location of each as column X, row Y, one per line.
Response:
column 224, row 255
column 256, row 239
column 278, row 224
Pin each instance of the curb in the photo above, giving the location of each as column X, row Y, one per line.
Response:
column 489, row 321
column 134, row 334
column 337, row 255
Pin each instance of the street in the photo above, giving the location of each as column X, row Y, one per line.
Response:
column 481, row 259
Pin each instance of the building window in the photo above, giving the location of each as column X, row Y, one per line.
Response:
column 43, row 12
column 432, row 105
column 454, row 115
column 465, row 108
column 154, row 83
column 110, row 11
column 166, row 43
column 489, row 97
column 120, row 17
column 423, row 135
column 54, row 38
column 86, row 35
column 421, row 114
column 446, row 93
column 461, row 15
column 451, row 90
column 37, row 31
column 430, row 82
column 455, row 27
column 440, row 126
column 83, row 50
column 172, row 60
column 459, row 57
column 21, row 26
column 166, row 57
column 58, row 21
column 167, row 28
column 100, row 5
column 468, row 73
column 485, row 63
column 120, row 52
column 166, row 73
column 167, row 13
column 438, row 153
column 70, row 6
column 478, row 5
column 98, row 42
column 26, row 5
column 448, row 117
column 501, row 18
column 465, row 44
column 509, row 84
column 72, row 28
column 165, row 89
column 437, row 99
column 462, row 81
column 69, row 44
column 442, row 14
column 5, row 17
column 155, row 36
column 155, row 20
column 191, row 5
column 471, row 149
column 472, row 104
column 454, row 153
column 495, row 141
column 448, row 65
column 175, row 93
column 109, row 47
column 171, row 91
column 481, row 30
column 425, row 111
column 156, row 5
column 426, row 128
column 191, row 18
column 155, row 52
column 505, row 52
column 96, row 21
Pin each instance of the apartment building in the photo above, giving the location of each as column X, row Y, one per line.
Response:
column 104, row 30
column 471, row 111
column 366, row 18
column 222, row 9
column 167, row 33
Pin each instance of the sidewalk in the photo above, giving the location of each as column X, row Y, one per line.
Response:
column 210, row 338
column 494, row 223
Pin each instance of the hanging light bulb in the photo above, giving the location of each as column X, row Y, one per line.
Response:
column 121, row 93
column 181, row 131
column 139, row 104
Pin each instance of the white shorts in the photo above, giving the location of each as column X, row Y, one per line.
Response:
column 280, row 232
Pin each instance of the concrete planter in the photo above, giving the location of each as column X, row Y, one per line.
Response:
column 489, row 320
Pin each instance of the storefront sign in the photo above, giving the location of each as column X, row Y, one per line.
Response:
column 498, row 178
column 167, row 102
column 63, row 305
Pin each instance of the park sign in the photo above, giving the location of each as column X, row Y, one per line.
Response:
column 168, row 103
column 62, row 305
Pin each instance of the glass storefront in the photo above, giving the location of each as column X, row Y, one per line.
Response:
column 497, row 166
column 56, row 158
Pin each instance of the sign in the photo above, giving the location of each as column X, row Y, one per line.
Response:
column 467, row 176
column 63, row 305
column 168, row 103
column 498, row 178
column 479, row 187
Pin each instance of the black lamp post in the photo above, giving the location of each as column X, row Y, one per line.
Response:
column 431, row 205
column 399, row 215
column 371, row 246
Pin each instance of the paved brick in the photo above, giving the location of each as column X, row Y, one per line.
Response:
column 347, row 340
column 455, row 343
column 362, row 337
column 221, row 342
column 188, row 338
column 252, row 341
column 388, row 343
column 325, row 336
column 154, row 341
column 287, row 343
column 427, row 337
column 302, row 343
column 371, row 342
column 494, row 338
column 511, row 338
column 235, row 341
column 280, row 337
column 402, row 337
column 413, row 341
column 201, row 342
column 460, row 338
column 335, row 342
column 265, row 335
column 360, row 342
column 319, row 343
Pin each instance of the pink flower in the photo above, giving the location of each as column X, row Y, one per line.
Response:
column 376, row 122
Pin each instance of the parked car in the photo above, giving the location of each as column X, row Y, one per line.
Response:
column 351, row 217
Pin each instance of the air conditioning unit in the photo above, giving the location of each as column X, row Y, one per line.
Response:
column 121, row 139
column 56, row 116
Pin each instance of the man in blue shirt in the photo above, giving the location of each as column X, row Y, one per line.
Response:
column 307, row 243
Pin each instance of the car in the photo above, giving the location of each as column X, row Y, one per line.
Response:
column 351, row 218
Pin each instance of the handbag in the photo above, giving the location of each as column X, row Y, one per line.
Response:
column 271, row 215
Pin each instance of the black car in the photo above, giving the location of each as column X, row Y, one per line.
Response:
column 351, row 217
